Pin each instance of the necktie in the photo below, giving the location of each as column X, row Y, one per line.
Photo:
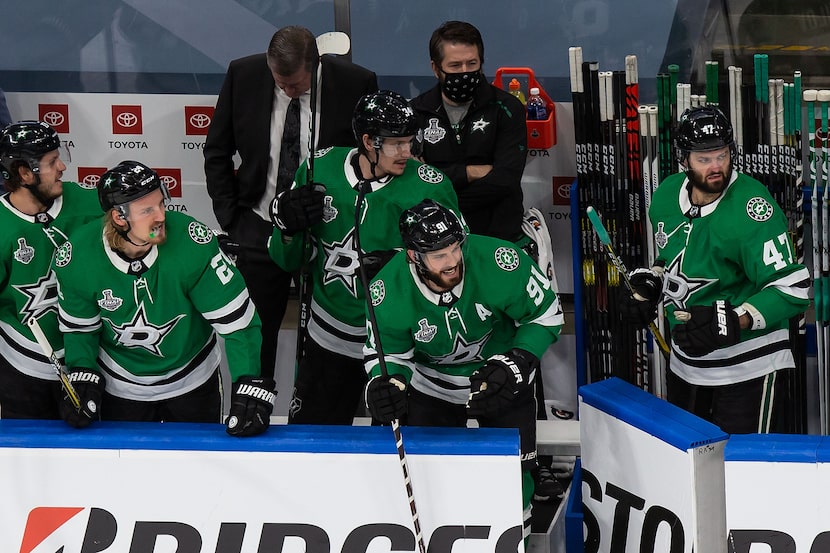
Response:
column 290, row 149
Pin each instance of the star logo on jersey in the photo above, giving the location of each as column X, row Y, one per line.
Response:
column 41, row 296
column 463, row 351
column 507, row 258
column 377, row 291
column 341, row 263
column 678, row 287
column 24, row 252
column 141, row 333
column 480, row 125
column 329, row 211
column 199, row 232
column 759, row 209
column 63, row 255
column 426, row 332
column 430, row 174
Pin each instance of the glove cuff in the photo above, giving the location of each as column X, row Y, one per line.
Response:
column 261, row 389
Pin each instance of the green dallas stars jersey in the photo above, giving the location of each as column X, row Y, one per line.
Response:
column 149, row 324
column 27, row 285
column 337, row 319
column 737, row 249
column 504, row 301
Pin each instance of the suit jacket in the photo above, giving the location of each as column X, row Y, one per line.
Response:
column 242, row 123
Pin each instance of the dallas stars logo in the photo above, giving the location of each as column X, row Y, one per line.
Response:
column 41, row 296
column 341, row 263
column 480, row 125
column 679, row 288
column 141, row 333
column 463, row 351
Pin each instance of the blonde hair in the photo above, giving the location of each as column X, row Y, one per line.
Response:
column 112, row 233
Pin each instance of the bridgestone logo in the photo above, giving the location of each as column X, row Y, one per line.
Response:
column 256, row 392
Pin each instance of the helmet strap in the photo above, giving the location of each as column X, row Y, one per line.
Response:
column 34, row 190
column 124, row 232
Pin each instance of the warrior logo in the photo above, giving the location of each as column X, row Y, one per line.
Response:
column 199, row 233
column 329, row 212
column 377, row 291
column 430, row 174
column 434, row 134
column 507, row 258
column 109, row 302
column 426, row 332
column 24, row 253
column 759, row 209
column 141, row 333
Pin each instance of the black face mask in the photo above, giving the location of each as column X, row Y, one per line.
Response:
column 460, row 87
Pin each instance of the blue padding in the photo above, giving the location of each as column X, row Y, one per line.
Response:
column 574, row 538
column 283, row 438
column 650, row 414
column 778, row 448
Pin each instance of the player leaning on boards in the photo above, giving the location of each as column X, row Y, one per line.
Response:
column 36, row 215
column 330, row 377
column 141, row 300
column 462, row 321
column 727, row 278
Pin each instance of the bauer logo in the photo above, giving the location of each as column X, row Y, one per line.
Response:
column 127, row 120
column 173, row 179
column 197, row 119
column 562, row 190
column 55, row 115
column 89, row 177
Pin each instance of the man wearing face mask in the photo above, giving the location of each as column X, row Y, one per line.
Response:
column 474, row 132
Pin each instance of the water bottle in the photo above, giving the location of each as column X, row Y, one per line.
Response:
column 537, row 110
column 516, row 90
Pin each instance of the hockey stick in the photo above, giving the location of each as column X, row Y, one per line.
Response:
column 370, row 308
column 606, row 241
column 44, row 344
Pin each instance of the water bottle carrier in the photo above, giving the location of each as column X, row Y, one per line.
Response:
column 541, row 135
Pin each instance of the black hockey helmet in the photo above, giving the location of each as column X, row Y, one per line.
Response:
column 383, row 113
column 702, row 129
column 429, row 226
column 128, row 181
column 26, row 141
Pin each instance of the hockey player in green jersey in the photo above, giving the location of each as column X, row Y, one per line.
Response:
column 330, row 376
column 726, row 274
column 141, row 300
column 462, row 322
column 36, row 215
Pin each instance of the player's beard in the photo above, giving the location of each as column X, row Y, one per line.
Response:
column 708, row 183
column 157, row 234
column 442, row 282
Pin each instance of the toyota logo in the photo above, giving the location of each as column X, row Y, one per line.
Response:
column 54, row 118
column 200, row 120
column 170, row 182
column 564, row 191
column 127, row 119
column 92, row 180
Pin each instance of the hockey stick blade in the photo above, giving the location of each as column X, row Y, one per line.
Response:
column 44, row 344
column 334, row 42
column 602, row 233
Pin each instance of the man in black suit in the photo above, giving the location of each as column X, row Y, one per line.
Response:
column 250, row 118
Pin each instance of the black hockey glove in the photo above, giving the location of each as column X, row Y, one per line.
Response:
column 374, row 261
column 252, row 402
column 707, row 328
column 496, row 384
column 386, row 398
column 640, row 308
column 89, row 385
column 299, row 208
column 228, row 245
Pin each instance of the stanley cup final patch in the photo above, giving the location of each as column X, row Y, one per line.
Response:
column 759, row 209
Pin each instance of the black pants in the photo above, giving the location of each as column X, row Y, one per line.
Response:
column 328, row 388
column 204, row 404
column 425, row 410
column 26, row 397
column 743, row 408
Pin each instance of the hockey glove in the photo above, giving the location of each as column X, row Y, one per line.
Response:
column 706, row 328
column 374, row 261
column 386, row 398
column 88, row 385
column 640, row 308
column 228, row 245
column 496, row 384
column 299, row 208
column 252, row 402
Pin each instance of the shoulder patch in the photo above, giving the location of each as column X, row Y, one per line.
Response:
column 430, row 174
column 377, row 291
column 63, row 255
column 759, row 209
column 322, row 151
column 90, row 182
column 507, row 258
column 199, row 232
